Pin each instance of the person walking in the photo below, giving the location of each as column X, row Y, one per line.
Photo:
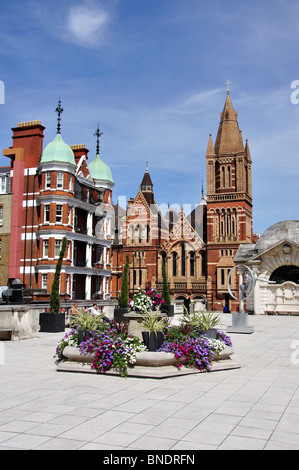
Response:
column 187, row 302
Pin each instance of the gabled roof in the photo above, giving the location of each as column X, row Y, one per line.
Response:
column 183, row 232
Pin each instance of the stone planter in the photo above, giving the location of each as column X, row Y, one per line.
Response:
column 52, row 322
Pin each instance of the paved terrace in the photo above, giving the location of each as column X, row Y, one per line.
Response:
column 254, row 407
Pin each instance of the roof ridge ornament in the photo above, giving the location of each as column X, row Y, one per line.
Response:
column 228, row 83
column 98, row 134
column 59, row 111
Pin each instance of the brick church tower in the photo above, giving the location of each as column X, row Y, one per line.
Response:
column 229, row 204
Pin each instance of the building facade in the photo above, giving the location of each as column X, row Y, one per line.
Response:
column 5, row 223
column 197, row 250
column 229, row 204
column 57, row 194
column 274, row 260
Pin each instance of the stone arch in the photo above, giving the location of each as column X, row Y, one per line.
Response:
column 285, row 273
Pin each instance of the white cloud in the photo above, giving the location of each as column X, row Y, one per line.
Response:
column 87, row 24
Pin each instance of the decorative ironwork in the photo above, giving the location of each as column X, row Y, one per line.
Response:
column 59, row 111
column 98, row 134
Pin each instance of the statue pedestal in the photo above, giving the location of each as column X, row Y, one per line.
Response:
column 240, row 324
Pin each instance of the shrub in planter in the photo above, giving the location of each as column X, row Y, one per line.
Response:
column 165, row 293
column 123, row 299
column 153, row 340
column 86, row 322
column 203, row 323
column 54, row 321
column 154, row 324
column 55, row 296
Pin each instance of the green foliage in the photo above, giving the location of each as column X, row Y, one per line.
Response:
column 152, row 321
column 209, row 320
column 165, row 293
column 87, row 321
column 200, row 320
column 54, row 296
column 123, row 299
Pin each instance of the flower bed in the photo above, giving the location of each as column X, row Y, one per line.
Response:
column 142, row 301
column 112, row 348
column 192, row 350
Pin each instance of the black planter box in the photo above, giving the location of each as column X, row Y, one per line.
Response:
column 52, row 322
column 212, row 333
column 82, row 335
column 153, row 341
column 119, row 315
column 168, row 309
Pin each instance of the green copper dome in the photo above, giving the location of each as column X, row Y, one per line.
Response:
column 99, row 170
column 58, row 151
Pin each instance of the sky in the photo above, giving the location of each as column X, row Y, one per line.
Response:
column 153, row 75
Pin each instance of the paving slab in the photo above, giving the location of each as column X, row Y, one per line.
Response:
column 254, row 406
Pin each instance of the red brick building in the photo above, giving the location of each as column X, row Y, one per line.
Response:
column 56, row 193
column 229, row 202
column 197, row 250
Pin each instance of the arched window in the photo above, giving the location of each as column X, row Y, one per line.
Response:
column 229, row 176
column 233, row 225
column 147, row 233
column 285, row 273
column 183, row 259
column 163, row 256
column 192, row 264
column 223, row 176
column 174, row 262
column 132, row 232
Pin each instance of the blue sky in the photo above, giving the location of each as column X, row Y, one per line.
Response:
column 152, row 73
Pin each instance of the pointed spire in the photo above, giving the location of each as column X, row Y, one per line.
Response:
column 229, row 138
column 247, row 151
column 210, row 149
column 146, row 184
column 146, row 187
column 59, row 111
